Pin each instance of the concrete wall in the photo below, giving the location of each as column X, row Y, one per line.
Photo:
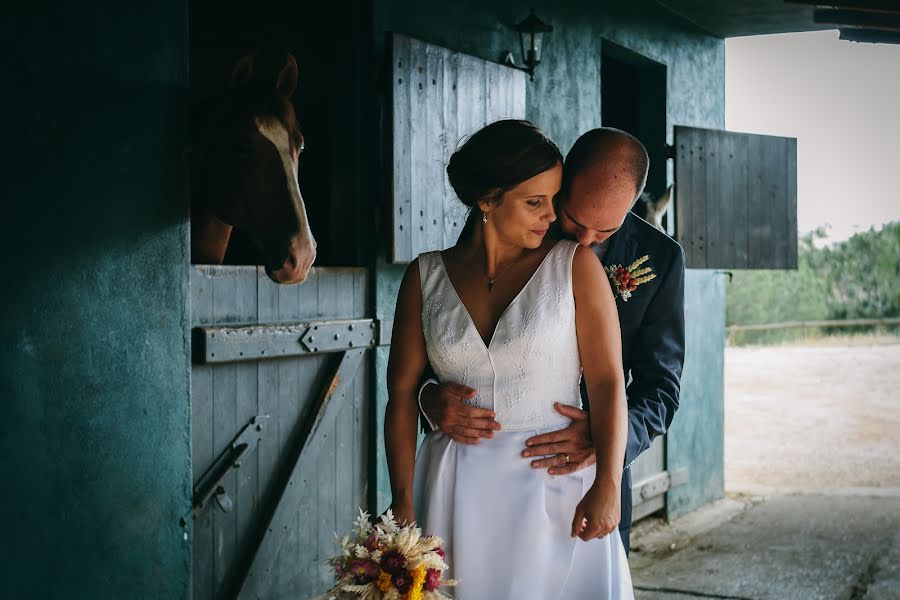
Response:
column 565, row 101
column 94, row 348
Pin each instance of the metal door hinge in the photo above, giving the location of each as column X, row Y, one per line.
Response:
column 260, row 342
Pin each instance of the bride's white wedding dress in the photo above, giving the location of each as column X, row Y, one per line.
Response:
column 507, row 525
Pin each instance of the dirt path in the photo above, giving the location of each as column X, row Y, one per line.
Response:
column 811, row 418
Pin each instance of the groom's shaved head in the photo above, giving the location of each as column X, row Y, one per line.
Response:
column 611, row 147
column 603, row 176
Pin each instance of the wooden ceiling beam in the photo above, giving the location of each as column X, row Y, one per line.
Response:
column 878, row 6
column 857, row 18
column 870, row 36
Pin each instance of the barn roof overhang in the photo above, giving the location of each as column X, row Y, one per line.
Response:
column 876, row 21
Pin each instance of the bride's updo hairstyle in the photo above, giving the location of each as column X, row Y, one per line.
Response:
column 496, row 159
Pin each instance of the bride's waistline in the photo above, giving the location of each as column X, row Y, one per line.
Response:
column 531, row 430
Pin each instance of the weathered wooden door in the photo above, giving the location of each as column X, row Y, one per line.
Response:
column 281, row 427
column 438, row 97
column 735, row 199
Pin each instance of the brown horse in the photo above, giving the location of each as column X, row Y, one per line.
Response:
column 652, row 210
column 244, row 160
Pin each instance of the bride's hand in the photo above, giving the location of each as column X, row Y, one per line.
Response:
column 599, row 512
column 403, row 513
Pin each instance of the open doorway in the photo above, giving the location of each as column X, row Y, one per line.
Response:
column 633, row 98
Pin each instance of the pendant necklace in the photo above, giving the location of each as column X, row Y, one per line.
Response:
column 491, row 281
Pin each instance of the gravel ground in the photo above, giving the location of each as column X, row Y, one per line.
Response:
column 812, row 474
column 813, row 418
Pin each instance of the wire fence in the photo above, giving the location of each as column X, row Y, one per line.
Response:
column 773, row 333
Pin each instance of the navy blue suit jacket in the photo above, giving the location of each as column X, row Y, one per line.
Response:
column 652, row 323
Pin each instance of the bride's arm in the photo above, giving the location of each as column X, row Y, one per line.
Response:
column 405, row 366
column 600, row 347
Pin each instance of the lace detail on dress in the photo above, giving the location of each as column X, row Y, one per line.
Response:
column 532, row 360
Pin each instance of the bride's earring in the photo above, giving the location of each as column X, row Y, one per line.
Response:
column 484, row 217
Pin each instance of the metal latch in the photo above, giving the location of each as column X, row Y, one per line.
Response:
column 210, row 484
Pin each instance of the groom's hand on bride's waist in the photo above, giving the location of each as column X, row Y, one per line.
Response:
column 445, row 404
column 565, row 450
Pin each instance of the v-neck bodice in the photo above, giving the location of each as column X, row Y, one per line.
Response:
column 532, row 359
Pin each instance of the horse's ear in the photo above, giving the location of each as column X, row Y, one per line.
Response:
column 287, row 78
column 663, row 201
column 242, row 74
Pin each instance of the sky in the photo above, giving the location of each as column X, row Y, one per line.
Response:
column 841, row 100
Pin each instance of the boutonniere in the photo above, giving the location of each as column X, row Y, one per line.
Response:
column 626, row 279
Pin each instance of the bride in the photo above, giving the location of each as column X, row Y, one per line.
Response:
column 518, row 316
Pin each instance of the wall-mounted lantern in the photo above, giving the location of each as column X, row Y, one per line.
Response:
column 531, row 36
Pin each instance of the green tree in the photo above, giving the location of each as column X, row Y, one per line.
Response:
column 858, row 278
column 863, row 274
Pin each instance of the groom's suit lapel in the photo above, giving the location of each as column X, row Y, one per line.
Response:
column 622, row 245
column 623, row 250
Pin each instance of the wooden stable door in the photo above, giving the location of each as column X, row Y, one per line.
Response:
column 735, row 199
column 438, row 97
column 281, row 427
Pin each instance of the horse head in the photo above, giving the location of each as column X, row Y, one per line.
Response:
column 652, row 210
column 244, row 171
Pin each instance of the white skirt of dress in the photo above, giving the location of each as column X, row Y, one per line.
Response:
column 506, row 525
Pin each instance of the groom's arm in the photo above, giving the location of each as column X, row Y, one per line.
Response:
column 428, row 378
column 656, row 361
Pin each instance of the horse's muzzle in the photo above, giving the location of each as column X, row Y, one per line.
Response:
column 295, row 268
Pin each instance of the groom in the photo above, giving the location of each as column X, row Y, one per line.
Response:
column 604, row 174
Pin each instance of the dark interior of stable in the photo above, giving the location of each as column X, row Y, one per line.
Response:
column 633, row 98
column 222, row 32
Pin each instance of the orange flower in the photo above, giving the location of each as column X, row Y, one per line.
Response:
column 415, row 592
column 384, row 581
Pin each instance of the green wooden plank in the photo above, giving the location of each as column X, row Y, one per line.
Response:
column 225, row 428
column 419, row 144
column 312, row 440
column 401, row 143
column 684, row 183
column 776, row 180
column 202, row 448
column 433, row 200
column 247, row 499
column 454, row 210
column 740, row 207
column 699, row 199
column 717, row 218
column 759, row 230
column 791, row 202
column 327, row 297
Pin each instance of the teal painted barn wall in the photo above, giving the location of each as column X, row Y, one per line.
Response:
column 565, row 100
column 696, row 440
column 94, row 348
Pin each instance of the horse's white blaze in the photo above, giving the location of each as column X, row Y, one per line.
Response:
column 277, row 134
column 657, row 208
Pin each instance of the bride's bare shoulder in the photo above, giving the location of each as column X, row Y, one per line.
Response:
column 588, row 275
column 586, row 260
